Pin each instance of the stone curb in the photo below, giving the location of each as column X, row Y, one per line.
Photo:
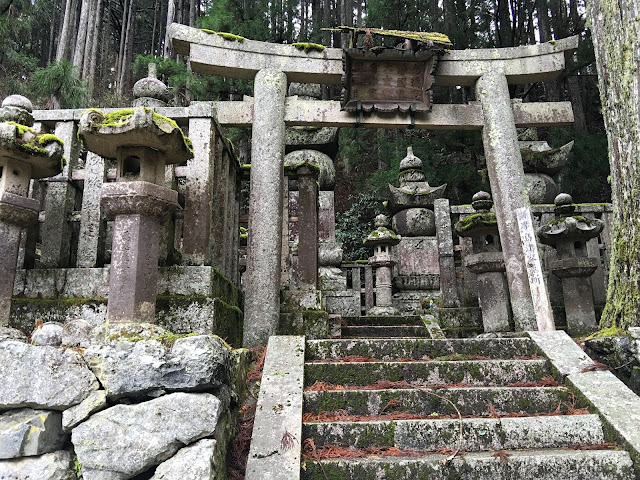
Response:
column 276, row 442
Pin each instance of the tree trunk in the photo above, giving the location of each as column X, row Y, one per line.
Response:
column 81, row 39
column 65, row 34
column 617, row 48
column 93, row 54
column 171, row 10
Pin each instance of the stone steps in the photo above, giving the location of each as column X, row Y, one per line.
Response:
column 470, row 401
column 384, row 327
column 368, row 400
column 540, row 464
column 397, row 348
column 429, row 373
column 392, row 409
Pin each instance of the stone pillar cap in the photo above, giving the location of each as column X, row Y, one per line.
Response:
column 16, row 108
column 481, row 202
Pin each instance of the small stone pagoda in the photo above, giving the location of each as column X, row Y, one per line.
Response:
column 143, row 143
column 24, row 154
column 381, row 240
column 412, row 207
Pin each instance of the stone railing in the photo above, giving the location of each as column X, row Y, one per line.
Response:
column 65, row 256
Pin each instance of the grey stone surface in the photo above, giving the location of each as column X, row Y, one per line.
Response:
column 414, row 222
column 50, row 333
column 76, row 332
column 506, row 174
column 417, row 256
column 215, row 56
column 277, row 430
column 262, row 278
column 129, row 369
column 331, row 279
column 77, row 414
column 8, row 258
column 8, row 333
column 540, row 187
column 565, row 355
column 42, row 377
column 50, row 466
column 59, row 203
column 148, row 433
column 27, row 432
column 444, row 235
column 616, row 403
column 92, row 226
column 195, row 462
column 345, row 303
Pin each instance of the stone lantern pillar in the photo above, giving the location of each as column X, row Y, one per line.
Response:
column 142, row 142
column 568, row 234
column 24, row 154
column 382, row 239
column 487, row 262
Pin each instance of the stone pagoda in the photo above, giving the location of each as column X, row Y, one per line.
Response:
column 412, row 207
column 24, row 154
column 143, row 143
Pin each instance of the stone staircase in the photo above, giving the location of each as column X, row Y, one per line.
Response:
column 391, row 403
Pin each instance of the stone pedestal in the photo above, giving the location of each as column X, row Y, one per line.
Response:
column 506, row 174
column 577, row 292
column 16, row 212
column 492, row 289
column 262, row 278
column 139, row 209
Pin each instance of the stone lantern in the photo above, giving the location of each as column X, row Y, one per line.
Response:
column 24, row 154
column 382, row 239
column 568, row 234
column 143, row 143
column 487, row 262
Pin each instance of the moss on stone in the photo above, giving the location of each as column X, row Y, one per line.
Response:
column 486, row 219
column 309, row 47
column 607, row 332
column 22, row 129
column 231, row 37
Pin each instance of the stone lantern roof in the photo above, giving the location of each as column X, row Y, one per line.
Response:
column 104, row 134
column 568, row 227
column 414, row 190
column 481, row 223
column 382, row 235
column 19, row 141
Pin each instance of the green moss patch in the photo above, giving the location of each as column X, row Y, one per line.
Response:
column 475, row 220
column 227, row 36
column 309, row 47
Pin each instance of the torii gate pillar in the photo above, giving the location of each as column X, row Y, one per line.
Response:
column 262, row 289
column 506, row 175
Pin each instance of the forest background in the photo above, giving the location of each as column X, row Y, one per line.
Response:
column 81, row 53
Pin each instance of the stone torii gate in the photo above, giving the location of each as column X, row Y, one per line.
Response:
column 271, row 66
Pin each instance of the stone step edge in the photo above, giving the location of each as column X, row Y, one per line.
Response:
column 479, row 434
column 617, row 459
column 617, row 405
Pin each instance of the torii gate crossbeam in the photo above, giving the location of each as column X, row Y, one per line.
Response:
column 490, row 71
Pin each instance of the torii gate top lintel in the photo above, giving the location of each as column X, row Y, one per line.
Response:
column 213, row 54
